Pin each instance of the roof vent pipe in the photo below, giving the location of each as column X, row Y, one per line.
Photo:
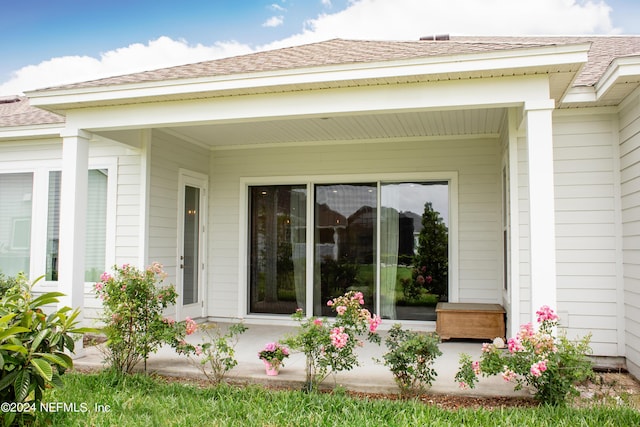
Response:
column 436, row 37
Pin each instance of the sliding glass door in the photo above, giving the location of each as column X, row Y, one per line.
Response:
column 388, row 240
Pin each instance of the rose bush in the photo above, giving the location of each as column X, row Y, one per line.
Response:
column 410, row 357
column 216, row 354
column 537, row 358
column 330, row 346
column 134, row 302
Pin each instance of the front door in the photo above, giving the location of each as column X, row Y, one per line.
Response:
column 191, row 219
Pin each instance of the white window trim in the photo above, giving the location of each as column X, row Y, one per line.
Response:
column 310, row 180
column 39, row 209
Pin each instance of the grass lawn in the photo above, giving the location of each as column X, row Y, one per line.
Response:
column 139, row 400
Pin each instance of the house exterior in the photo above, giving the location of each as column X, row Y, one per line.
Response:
column 492, row 170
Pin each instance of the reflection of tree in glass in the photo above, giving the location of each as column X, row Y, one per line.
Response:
column 431, row 261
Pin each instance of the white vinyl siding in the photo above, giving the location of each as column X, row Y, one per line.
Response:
column 476, row 161
column 168, row 156
column 43, row 156
column 586, row 228
column 629, row 124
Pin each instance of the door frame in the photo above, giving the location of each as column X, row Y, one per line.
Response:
column 200, row 181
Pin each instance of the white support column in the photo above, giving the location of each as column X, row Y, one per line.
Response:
column 73, row 219
column 542, row 233
column 514, row 225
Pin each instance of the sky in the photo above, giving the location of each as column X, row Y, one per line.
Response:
column 45, row 43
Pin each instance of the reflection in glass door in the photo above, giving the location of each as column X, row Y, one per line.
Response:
column 345, row 243
column 191, row 244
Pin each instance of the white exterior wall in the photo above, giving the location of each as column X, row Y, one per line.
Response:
column 168, row 156
column 477, row 162
column 587, row 228
column 41, row 156
column 629, row 137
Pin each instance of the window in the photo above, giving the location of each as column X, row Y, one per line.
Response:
column 96, row 238
column 389, row 240
column 16, row 190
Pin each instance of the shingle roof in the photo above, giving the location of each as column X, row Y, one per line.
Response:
column 338, row 51
column 604, row 49
column 16, row 111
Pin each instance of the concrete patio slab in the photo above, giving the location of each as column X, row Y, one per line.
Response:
column 369, row 377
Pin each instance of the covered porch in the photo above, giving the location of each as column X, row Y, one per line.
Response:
column 487, row 134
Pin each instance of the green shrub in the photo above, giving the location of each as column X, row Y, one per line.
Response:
column 537, row 358
column 217, row 352
column 7, row 283
column 33, row 345
column 409, row 357
column 330, row 347
column 134, row 323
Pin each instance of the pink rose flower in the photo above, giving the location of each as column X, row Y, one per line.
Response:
column 475, row 365
column 190, row 325
column 546, row 314
column 538, row 368
column 514, row 345
column 338, row 337
column 374, row 322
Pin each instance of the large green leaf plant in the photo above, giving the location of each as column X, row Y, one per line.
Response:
column 35, row 341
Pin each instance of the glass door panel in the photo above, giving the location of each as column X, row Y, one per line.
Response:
column 277, row 241
column 345, row 241
column 191, row 245
column 413, row 249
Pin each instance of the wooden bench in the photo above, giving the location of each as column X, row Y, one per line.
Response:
column 468, row 320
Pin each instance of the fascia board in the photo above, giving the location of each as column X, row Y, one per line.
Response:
column 580, row 94
column 31, row 132
column 620, row 68
column 526, row 58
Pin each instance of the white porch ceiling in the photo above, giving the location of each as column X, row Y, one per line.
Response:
column 345, row 128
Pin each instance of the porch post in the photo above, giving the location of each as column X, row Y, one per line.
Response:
column 542, row 234
column 73, row 219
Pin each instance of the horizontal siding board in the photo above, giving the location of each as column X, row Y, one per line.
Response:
column 477, row 163
column 586, row 242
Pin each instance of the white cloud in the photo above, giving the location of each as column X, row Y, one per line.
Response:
column 159, row 53
column 277, row 7
column 362, row 19
column 274, row 21
column 327, row 3
column 411, row 19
